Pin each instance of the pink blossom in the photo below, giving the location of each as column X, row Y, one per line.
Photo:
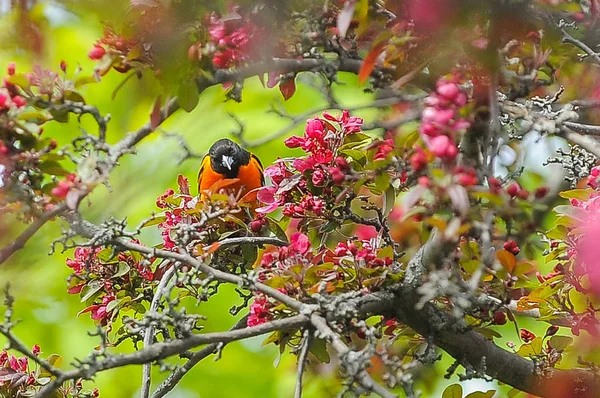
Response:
column 266, row 195
column 299, row 242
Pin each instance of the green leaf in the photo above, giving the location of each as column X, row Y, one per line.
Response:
column 276, row 229
column 122, row 269
column 90, row 289
column 52, row 167
column 54, row 360
column 154, row 221
column 573, row 212
column 488, row 333
column 514, row 392
column 188, row 95
column 20, row 80
column 61, row 116
column 117, row 303
column 389, row 200
column 356, row 137
column 74, row 96
column 83, row 80
column 581, row 194
column 273, row 338
column 453, row 391
column 531, row 349
column 319, row 349
column 38, row 117
column 560, row 343
column 359, row 156
column 480, row 394
column 382, row 182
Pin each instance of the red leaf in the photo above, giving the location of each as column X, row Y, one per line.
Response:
column 345, row 17
column 369, row 63
column 287, row 88
column 212, row 248
column 220, row 184
column 156, row 114
column 76, row 289
column 184, row 185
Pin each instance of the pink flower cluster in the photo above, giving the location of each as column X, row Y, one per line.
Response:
column 116, row 46
column 232, row 41
column 321, row 140
column 9, row 93
column 259, row 310
column 85, row 258
column 441, row 119
column 15, row 373
column 273, row 262
column 593, row 177
column 177, row 205
column 363, row 254
column 64, row 186
column 99, row 312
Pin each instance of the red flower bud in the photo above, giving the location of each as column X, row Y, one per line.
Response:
column 499, row 318
column 513, row 189
column 256, row 225
column 424, row 181
column 527, row 336
column 512, row 247
column 523, row 194
column 418, row 161
column 552, row 330
column 11, row 68
column 19, row 101
column 541, row 192
column 448, row 91
column 63, row 66
column 96, row 53
column 342, row 163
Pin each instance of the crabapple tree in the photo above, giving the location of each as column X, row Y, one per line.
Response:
column 383, row 243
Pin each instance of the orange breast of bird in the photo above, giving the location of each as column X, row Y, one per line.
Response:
column 249, row 179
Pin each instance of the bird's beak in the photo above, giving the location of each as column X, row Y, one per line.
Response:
column 227, row 161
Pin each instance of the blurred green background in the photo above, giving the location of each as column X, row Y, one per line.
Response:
column 68, row 30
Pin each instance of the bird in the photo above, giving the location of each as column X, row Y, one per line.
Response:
column 226, row 160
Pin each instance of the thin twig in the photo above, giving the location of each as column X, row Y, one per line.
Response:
column 297, row 120
column 174, row 378
column 567, row 38
column 149, row 332
column 164, row 350
column 364, row 379
column 20, row 241
column 302, row 358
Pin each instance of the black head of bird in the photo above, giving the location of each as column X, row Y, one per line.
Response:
column 226, row 157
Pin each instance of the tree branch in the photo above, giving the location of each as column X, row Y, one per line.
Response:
column 588, row 143
column 166, row 349
column 20, row 241
column 149, row 332
column 302, row 358
column 299, row 119
column 174, row 378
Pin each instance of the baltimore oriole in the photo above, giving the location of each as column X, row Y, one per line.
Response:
column 227, row 160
